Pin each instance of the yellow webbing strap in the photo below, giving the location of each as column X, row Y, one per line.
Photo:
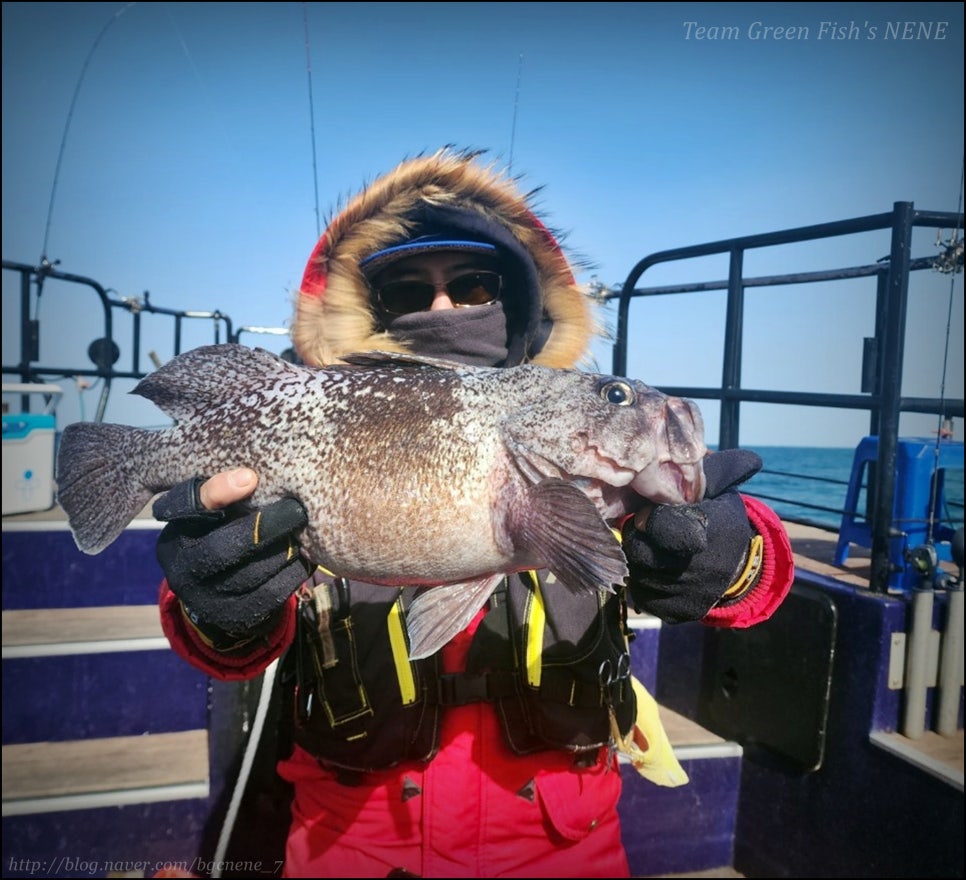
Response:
column 536, row 618
column 647, row 745
column 400, row 655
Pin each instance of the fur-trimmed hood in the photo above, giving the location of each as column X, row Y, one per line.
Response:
column 551, row 320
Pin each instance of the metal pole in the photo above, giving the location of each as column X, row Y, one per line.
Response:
column 951, row 665
column 890, row 363
column 917, row 660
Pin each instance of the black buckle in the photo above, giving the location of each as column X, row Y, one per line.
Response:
column 460, row 688
column 584, row 760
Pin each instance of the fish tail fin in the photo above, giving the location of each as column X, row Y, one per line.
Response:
column 99, row 482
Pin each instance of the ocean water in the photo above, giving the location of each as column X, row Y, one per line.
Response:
column 809, row 484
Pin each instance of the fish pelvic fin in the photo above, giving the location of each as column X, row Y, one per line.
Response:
column 563, row 527
column 98, row 482
column 437, row 614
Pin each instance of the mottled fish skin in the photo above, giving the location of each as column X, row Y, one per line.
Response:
column 413, row 471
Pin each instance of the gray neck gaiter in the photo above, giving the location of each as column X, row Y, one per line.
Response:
column 475, row 336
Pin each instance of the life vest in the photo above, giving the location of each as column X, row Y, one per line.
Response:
column 554, row 663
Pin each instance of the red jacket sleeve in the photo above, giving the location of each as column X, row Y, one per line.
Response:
column 188, row 643
column 777, row 573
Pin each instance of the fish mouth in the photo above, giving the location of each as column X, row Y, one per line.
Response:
column 671, row 482
column 679, row 479
column 672, row 473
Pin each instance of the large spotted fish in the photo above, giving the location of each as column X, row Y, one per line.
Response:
column 413, row 471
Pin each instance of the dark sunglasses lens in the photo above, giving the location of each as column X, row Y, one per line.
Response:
column 475, row 289
column 403, row 297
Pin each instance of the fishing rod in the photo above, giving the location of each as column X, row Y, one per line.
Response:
column 269, row 675
column 516, row 107
column 949, row 262
column 308, row 71
column 44, row 262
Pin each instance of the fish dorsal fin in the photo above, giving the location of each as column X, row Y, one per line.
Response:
column 203, row 377
column 563, row 527
column 399, row 359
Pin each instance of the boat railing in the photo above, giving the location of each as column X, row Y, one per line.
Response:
column 882, row 363
column 104, row 352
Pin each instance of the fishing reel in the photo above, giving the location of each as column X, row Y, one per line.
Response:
column 925, row 561
column 950, row 261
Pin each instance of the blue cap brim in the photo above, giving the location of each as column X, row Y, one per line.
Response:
column 375, row 263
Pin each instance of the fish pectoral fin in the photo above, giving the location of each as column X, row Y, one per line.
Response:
column 437, row 614
column 563, row 527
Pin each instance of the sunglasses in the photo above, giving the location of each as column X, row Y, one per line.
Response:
column 471, row 289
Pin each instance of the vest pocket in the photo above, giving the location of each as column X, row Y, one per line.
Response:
column 576, row 801
column 328, row 675
column 360, row 702
column 343, row 694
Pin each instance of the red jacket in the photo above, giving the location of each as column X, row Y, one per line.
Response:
column 536, row 815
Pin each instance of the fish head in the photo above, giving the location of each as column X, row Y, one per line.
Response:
column 618, row 439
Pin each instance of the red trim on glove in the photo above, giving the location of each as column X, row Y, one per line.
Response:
column 186, row 641
column 777, row 574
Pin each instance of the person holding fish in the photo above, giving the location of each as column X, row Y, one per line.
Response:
column 493, row 752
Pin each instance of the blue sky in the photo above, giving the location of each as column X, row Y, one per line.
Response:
column 192, row 167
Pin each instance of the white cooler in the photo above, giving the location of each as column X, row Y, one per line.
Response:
column 28, row 451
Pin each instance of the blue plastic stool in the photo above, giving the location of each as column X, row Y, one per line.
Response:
column 915, row 463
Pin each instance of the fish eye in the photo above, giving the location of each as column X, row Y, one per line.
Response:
column 617, row 392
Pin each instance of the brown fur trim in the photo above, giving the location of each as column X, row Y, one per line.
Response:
column 341, row 320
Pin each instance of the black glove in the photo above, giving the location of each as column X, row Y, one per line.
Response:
column 231, row 579
column 687, row 556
